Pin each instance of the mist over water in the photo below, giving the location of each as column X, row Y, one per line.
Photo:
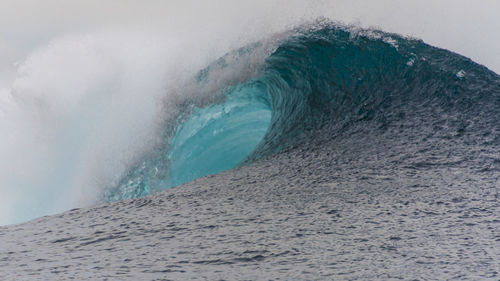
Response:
column 80, row 109
column 82, row 98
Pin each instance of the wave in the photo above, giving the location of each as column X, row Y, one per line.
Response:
column 109, row 116
column 276, row 95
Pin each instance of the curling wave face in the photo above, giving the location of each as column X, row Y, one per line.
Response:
column 320, row 77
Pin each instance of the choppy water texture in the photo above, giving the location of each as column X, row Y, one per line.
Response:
column 382, row 161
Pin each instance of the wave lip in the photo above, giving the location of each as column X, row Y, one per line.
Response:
column 331, row 75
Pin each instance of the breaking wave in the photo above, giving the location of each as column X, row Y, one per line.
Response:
column 265, row 98
column 315, row 77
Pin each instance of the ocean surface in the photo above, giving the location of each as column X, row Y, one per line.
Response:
column 326, row 152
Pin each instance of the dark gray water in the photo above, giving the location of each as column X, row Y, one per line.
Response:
column 360, row 205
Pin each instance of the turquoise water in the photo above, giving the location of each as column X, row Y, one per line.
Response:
column 208, row 139
column 218, row 137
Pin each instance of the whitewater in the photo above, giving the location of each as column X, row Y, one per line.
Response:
column 303, row 149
